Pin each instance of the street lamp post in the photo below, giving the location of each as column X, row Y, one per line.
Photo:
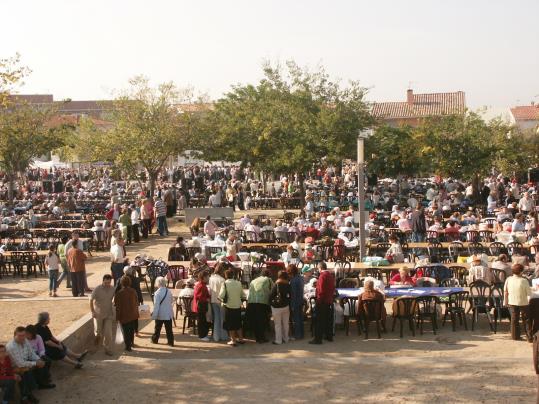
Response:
column 362, row 135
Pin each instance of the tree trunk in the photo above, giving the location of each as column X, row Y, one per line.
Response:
column 301, row 191
column 10, row 193
column 152, row 178
column 475, row 189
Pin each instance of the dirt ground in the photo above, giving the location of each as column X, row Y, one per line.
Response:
column 462, row 366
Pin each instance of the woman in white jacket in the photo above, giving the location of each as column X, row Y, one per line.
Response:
column 217, row 311
column 162, row 311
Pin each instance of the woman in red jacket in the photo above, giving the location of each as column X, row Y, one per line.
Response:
column 8, row 377
column 201, row 298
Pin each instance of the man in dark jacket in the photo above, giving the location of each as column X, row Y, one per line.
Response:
column 419, row 226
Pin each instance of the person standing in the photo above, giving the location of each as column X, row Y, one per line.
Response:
column 169, row 201
column 419, row 225
column 201, row 297
column 118, row 259
column 76, row 240
column 135, row 223
column 126, row 303
column 63, row 262
column 217, row 310
column 258, row 305
column 516, row 294
column 296, row 301
column 52, row 263
column 162, row 311
column 103, row 313
column 231, row 294
column 146, row 217
column 161, row 216
column 76, row 261
column 325, row 293
column 280, row 307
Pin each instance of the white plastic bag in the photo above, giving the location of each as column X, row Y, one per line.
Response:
column 144, row 312
column 119, row 334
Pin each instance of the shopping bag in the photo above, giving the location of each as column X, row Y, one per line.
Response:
column 144, row 312
column 119, row 334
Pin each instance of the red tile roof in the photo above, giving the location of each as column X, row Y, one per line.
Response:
column 422, row 105
column 526, row 113
column 32, row 98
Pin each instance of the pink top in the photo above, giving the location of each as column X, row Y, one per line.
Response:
column 37, row 345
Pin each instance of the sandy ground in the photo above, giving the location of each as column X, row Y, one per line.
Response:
column 460, row 366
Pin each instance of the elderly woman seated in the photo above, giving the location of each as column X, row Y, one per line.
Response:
column 479, row 271
column 54, row 348
column 402, row 278
column 371, row 294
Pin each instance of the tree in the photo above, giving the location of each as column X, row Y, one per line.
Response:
column 11, row 74
column 392, row 151
column 286, row 123
column 463, row 147
column 27, row 132
column 147, row 129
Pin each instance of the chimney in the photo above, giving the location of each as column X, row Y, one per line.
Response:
column 410, row 96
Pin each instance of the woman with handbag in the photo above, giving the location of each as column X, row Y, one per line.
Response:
column 231, row 295
column 162, row 311
column 280, row 307
column 127, row 314
column 201, row 297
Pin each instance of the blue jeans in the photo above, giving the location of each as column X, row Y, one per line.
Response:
column 64, row 275
column 53, row 280
column 297, row 321
column 217, row 312
column 161, row 225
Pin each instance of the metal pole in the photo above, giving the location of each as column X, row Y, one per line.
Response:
column 361, row 193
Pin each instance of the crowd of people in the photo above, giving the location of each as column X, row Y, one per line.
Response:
column 121, row 213
column 28, row 357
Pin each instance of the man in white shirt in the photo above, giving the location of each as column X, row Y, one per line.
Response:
column 118, row 260
column 22, row 355
column 526, row 204
column 210, row 227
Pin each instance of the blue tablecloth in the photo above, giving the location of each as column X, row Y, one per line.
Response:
column 396, row 292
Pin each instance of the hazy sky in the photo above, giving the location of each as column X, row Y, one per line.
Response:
column 85, row 49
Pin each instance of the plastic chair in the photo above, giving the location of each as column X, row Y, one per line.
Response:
column 404, row 308
column 479, row 299
column 456, row 306
column 427, row 308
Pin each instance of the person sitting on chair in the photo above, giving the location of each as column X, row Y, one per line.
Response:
column 402, row 278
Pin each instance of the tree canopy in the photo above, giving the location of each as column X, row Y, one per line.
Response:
column 147, row 128
column 287, row 122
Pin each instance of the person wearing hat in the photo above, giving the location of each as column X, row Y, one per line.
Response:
column 199, row 264
column 307, row 273
column 479, row 271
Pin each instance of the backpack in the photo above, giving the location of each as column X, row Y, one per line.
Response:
column 277, row 300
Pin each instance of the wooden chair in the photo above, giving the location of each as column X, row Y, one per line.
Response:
column 189, row 316
column 350, row 303
column 371, row 310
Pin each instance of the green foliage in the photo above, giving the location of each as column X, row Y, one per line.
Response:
column 27, row 132
column 11, row 74
column 286, row 123
column 146, row 130
column 392, row 151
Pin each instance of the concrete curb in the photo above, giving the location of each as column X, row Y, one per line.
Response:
column 79, row 335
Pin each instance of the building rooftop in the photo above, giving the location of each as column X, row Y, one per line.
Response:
column 525, row 112
column 422, row 105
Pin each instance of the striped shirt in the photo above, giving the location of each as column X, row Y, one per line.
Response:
column 160, row 208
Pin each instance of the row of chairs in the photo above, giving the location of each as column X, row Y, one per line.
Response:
column 481, row 299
